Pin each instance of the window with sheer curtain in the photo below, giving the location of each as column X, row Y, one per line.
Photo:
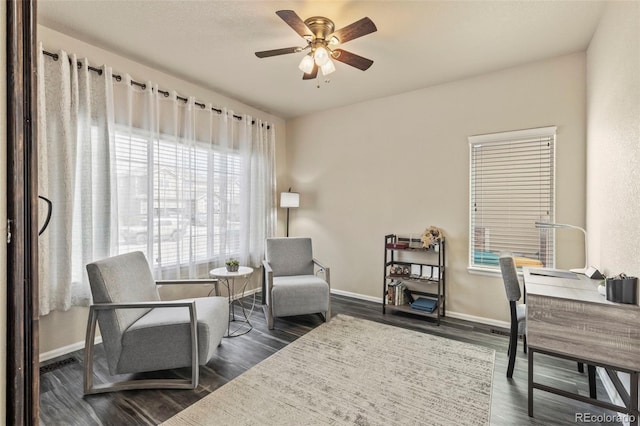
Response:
column 129, row 167
column 512, row 185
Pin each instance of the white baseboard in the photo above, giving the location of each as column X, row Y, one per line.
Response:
column 481, row 320
column 472, row 318
column 65, row 350
column 357, row 295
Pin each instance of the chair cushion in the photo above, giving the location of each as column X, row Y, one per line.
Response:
column 299, row 294
column 161, row 339
column 289, row 256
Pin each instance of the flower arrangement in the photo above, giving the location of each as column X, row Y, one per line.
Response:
column 232, row 265
column 431, row 236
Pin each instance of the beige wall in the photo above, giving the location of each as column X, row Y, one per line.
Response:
column 401, row 163
column 61, row 329
column 3, row 210
column 613, row 143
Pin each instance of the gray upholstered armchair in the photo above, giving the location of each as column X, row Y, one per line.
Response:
column 142, row 333
column 290, row 285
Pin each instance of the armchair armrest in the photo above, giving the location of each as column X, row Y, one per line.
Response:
column 196, row 281
column 143, row 305
column 213, row 281
column 324, row 269
column 268, row 282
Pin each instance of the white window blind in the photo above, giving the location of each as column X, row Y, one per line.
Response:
column 184, row 200
column 512, row 185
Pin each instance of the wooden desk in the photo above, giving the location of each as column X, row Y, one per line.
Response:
column 568, row 318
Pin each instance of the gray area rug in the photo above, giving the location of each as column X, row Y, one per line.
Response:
column 352, row 371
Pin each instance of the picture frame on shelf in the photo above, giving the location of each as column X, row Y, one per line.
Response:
column 416, row 271
column 435, row 273
column 426, row 272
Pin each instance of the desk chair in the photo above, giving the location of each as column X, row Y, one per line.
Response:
column 518, row 310
column 519, row 319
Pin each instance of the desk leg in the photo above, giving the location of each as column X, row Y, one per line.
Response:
column 530, row 382
column 591, row 373
column 633, row 396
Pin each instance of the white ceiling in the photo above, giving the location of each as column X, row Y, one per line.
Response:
column 418, row 43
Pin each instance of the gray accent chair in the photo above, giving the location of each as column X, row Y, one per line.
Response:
column 290, row 285
column 141, row 333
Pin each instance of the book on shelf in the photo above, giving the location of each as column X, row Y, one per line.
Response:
column 425, row 305
column 396, row 294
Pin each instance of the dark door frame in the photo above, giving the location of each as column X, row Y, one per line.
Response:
column 23, row 380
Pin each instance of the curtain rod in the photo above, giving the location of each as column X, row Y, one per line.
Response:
column 143, row 86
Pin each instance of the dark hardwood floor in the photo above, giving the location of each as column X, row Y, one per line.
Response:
column 62, row 403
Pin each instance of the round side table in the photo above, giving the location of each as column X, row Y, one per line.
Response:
column 228, row 279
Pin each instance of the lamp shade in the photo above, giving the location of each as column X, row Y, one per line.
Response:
column 289, row 199
column 328, row 68
column 306, row 65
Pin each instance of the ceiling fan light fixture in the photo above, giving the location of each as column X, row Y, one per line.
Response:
column 328, row 68
column 321, row 56
column 321, row 38
column 306, row 64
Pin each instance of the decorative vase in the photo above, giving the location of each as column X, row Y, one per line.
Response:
column 232, row 268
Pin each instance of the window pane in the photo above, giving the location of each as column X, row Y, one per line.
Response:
column 512, row 187
column 178, row 203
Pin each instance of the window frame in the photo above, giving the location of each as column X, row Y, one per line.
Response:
column 502, row 137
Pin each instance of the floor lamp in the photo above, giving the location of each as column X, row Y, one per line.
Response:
column 545, row 225
column 289, row 200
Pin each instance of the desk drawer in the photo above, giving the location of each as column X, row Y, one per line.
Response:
column 606, row 333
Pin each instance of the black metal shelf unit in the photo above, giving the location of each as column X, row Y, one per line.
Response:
column 420, row 270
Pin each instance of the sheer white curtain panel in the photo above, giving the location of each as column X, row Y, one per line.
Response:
column 129, row 168
column 75, row 147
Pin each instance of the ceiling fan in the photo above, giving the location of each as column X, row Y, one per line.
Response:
column 321, row 39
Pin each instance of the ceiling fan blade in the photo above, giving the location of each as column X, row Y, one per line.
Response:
column 352, row 31
column 312, row 74
column 276, row 52
column 352, row 59
column 294, row 21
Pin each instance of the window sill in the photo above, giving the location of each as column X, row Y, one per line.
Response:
column 487, row 272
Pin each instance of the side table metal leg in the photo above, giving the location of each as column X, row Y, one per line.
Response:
column 232, row 294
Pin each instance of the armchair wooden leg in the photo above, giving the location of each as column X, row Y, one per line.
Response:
column 267, row 314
